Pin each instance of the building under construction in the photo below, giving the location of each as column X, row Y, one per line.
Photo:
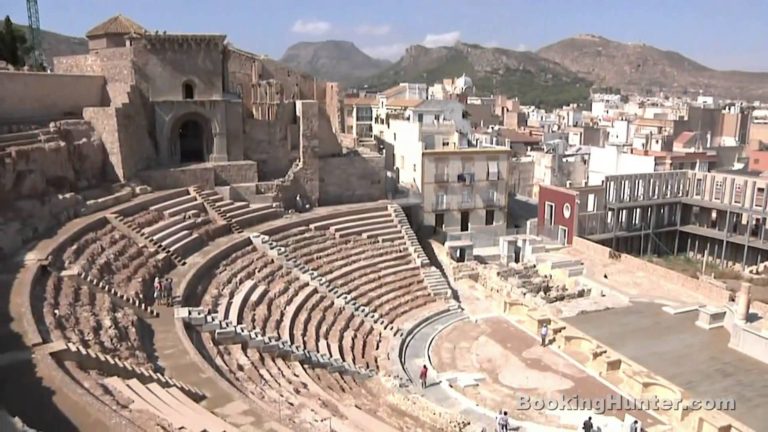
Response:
column 720, row 216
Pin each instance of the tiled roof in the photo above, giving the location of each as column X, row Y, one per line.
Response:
column 393, row 91
column 359, row 101
column 117, row 25
column 405, row 103
column 515, row 136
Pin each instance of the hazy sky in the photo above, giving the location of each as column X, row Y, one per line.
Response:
column 724, row 34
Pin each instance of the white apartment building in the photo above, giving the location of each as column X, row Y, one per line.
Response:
column 463, row 189
column 612, row 160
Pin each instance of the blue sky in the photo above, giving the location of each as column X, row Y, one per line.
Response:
column 724, row 34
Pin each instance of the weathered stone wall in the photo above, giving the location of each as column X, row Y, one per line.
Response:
column 114, row 64
column 126, row 129
column 28, row 95
column 352, row 178
column 273, row 144
column 207, row 175
column 38, row 183
column 672, row 279
column 163, row 66
column 75, row 162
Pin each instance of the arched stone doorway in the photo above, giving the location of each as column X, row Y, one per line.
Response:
column 191, row 142
column 191, row 139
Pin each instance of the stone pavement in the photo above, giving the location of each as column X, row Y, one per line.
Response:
column 437, row 393
column 697, row 360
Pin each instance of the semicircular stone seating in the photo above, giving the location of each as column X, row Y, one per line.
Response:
column 250, row 288
column 103, row 342
column 382, row 276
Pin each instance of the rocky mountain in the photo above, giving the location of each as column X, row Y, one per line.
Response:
column 55, row 44
column 524, row 74
column 332, row 60
column 643, row 68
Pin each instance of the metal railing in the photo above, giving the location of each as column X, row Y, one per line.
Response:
column 442, row 178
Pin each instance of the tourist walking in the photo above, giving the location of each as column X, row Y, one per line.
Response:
column 544, row 333
column 503, row 422
column 634, row 427
column 498, row 420
column 158, row 291
column 588, row 426
column 423, row 376
column 169, row 291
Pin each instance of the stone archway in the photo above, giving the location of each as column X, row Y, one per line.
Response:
column 191, row 141
column 191, row 138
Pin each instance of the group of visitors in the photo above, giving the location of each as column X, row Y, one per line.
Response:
column 163, row 291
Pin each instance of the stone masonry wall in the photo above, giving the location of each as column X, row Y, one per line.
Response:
column 715, row 295
column 273, row 144
column 29, row 95
column 114, row 64
column 352, row 178
column 38, row 183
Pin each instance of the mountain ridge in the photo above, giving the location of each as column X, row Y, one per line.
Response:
column 334, row 60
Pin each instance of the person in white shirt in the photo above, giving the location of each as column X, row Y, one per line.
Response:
column 544, row 333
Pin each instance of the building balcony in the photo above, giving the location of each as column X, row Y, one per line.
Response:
column 442, row 178
column 467, row 204
column 440, row 206
column 496, row 202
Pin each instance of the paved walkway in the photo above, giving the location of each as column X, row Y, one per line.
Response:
column 697, row 360
column 437, row 393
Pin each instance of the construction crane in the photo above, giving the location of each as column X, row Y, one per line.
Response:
column 35, row 38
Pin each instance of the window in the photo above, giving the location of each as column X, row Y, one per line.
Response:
column 718, row 190
column 439, row 220
column 489, row 215
column 441, row 201
column 697, row 189
column 188, row 90
column 493, row 170
column 493, row 196
column 414, row 167
column 364, row 114
column 738, row 193
column 466, row 196
column 466, row 178
column 591, row 202
column 760, row 197
column 549, row 214
column 421, row 118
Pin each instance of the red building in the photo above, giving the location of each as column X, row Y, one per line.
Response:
column 558, row 211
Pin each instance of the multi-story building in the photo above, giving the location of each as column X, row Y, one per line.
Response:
column 653, row 134
column 718, row 216
column 465, row 195
column 358, row 118
column 463, row 189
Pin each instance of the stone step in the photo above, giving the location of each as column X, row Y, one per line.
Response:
column 184, row 208
column 170, row 232
column 257, row 217
column 188, row 246
column 176, row 239
column 162, row 226
column 173, row 203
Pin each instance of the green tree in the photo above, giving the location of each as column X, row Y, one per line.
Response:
column 13, row 44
